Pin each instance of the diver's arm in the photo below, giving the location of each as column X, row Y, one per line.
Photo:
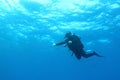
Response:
column 61, row 43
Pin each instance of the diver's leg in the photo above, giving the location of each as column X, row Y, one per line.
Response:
column 91, row 54
column 78, row 56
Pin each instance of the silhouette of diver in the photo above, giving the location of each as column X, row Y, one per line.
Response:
column 73, row 42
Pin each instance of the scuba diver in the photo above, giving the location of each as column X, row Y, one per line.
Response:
column 74, row 43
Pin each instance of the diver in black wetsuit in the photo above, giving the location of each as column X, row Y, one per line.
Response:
column 75, row 45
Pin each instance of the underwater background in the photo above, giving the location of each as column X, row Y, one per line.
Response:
column 28, row 28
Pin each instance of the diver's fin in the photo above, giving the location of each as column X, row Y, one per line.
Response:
column 97, row 54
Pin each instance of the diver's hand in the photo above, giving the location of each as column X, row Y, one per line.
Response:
column 54, row 44
column 69, row 42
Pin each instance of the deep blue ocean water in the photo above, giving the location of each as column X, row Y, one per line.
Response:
column 28, row 28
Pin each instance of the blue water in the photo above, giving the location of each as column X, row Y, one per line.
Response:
column 28, row 28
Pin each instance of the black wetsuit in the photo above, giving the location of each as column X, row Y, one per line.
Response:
column 76, row 47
